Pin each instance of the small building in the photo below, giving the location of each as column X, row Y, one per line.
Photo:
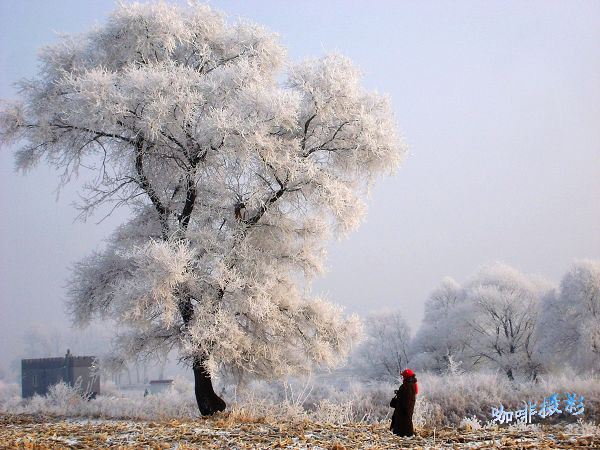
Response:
column 38, row 375
column 157, row 386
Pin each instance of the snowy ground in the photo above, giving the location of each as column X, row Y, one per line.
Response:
column 225, row 431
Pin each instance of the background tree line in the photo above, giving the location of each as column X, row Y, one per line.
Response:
column 500, row 319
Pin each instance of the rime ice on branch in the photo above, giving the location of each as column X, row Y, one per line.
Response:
column 489, row 322
column 234, row 180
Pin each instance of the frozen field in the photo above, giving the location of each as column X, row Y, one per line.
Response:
column 227, row 431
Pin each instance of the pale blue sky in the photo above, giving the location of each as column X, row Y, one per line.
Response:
column 499, row 102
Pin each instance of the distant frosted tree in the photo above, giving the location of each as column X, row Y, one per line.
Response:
column 441, row 338
column 570, row 321
column 385, row 351
column 234, row 180
column 501, row 312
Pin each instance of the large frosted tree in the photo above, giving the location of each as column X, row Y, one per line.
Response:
column 235, row 173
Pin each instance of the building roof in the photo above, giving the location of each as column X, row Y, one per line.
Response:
column 46, row 363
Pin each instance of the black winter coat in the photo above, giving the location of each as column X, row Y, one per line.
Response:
column 404, row 405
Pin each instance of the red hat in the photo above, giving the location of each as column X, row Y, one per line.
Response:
column 407, row 373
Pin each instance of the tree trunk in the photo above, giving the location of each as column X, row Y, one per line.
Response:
column 208, row 402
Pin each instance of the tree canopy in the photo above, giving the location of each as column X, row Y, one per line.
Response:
column 236, row 167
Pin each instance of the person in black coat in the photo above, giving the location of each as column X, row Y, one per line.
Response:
column 404, row 405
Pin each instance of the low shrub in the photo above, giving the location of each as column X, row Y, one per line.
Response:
column 443, row 400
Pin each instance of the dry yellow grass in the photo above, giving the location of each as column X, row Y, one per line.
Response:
column 227, row 431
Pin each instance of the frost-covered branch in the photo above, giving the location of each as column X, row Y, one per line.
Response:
column 234, row 181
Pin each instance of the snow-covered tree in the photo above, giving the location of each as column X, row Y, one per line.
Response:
column 501, row 311
column 235, row 175
column 570, row 321
column 441, row 338
column 385, row 351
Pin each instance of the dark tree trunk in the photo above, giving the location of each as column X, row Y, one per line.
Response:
column 208, row 402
